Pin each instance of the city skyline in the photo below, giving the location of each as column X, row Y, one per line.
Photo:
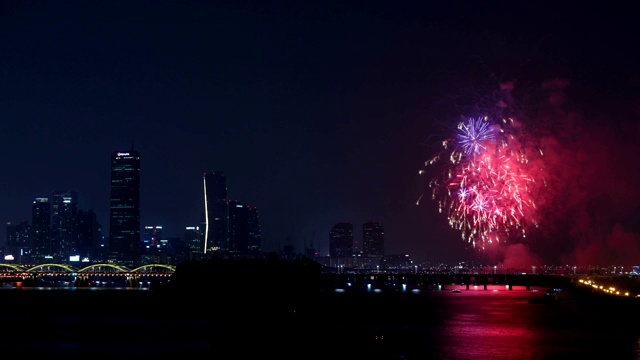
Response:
column 326, row 112
column 62, row 208
column 222, row 218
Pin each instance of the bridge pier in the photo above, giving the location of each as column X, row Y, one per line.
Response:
column 133, row 281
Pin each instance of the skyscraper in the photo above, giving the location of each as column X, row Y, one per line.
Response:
column 341, row 240
column 89, row 234
column 372, row 239
column 372, row 244
column 193, row 239
column 19, row 241
column 244, row 228
column 41, row 229
column 64, row 207
column 254, row 230
column 216, row 212
column 152, row 236
column 124, row 212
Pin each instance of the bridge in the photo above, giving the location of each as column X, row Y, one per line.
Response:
column 446, row 281
column 90, row 275
column 110, row 274
column 624, row 285
column 102, row 267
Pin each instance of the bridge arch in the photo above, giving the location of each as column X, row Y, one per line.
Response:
column 68, row 268
column 94, row 267
column 148, row 268
column 171, row 268
column 13, row 267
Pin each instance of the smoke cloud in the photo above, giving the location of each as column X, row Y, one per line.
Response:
column 589, row 207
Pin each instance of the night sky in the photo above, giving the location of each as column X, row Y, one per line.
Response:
column 321, row 112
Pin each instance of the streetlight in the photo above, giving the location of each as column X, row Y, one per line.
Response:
column 534, row 269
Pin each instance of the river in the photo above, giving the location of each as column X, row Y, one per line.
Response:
column 470, row 324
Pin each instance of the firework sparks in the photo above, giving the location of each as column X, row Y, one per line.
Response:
column 474, row 135
column 486, row 187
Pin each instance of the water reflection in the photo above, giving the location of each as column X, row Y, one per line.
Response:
column 495, row 328
column 507, row 325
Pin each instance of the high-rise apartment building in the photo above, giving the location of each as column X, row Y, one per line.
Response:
column 254, row 231
column 41, row 229
column 244, row 228
column 341, row 240
column 89, row 234
column 19, row 241
column 124, row 211
column 372, row 239
column 64, row 209
column 216, row 212
column 372, row 245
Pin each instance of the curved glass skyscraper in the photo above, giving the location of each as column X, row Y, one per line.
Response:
column 216, row 212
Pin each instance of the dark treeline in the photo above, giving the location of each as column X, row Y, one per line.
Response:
column 270, row 276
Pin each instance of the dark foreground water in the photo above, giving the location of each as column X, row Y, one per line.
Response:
column 472, row 324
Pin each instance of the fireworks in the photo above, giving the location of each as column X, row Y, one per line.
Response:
column 474, row 135
column 485, row 181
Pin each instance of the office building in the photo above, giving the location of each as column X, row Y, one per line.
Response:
column 124, row 211
column 155, row 248
column 244, row 228
column 193, row 240
column 216, row 212
column 152, row 236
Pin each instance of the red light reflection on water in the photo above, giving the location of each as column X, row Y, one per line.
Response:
column 504, row 324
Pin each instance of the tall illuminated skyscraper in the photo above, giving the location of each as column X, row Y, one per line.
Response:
column 124, row 212
column 216, row 212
